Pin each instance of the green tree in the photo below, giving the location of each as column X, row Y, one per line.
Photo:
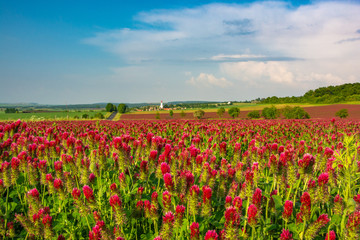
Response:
column 220, row 112
column 234, row 112
column 254, row 114
column 85, row 116
column 270, row 112
column 171, row 113
column 122, row 108
column 110, row 107
column 199, row 113
column 342, row 113
column 157, row 115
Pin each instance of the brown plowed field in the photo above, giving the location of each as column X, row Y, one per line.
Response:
column 321, row 112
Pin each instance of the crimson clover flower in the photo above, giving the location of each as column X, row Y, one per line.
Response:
column 211, row 235
column 285, row 235
column 305, row 207
column 58, row 184
column 207, row 193
column 323, row 179
column 165, row 168
column 34, row 193
column 252, row 213
column 88, row 192
column 169, row 184
column 257, row 198
column 115, row 201
column 288, row 209
column 194, row 231
column 76, row 193
column 232, row 216
column 330, row 235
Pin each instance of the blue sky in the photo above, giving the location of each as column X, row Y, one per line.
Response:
column 64, row 52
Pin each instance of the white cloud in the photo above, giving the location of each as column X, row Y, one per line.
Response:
column 254, row 72
column 224, row 57
column 310, row 31
column 258, row 44
column 209, row 80
column 291, row 74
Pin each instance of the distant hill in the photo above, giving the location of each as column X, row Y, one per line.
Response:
column 331, row 94
column 36, row 106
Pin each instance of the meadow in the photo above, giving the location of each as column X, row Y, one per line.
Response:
column 180, row 179
column 49, row 115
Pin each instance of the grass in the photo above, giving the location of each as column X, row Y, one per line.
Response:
column 107, row 114
column 352, row 102
column 117, row 117
column 61, row 115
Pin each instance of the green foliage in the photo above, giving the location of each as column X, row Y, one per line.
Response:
column 99, row 115
column 11, row 110
column 171, row 113
column 199, row 114
column 182, row 113
column 330, row 94
column 295, row 113
column 220, row 112
column 110, row 107
column 343, row 113
column 157, row 115
column 234, row 112
column 122, row 108
column 57, row 115
column 85, row 116
column 270, row 112
column 254, row 114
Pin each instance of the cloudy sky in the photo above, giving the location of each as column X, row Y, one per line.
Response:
column 67, row 52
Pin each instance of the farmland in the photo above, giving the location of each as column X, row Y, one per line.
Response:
column 317, row 111
column 180, row 179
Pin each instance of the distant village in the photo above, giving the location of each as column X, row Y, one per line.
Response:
column 180, row 106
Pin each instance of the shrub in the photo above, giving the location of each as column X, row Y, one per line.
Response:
column 270, row 112
column 234, row 112
column 99, row 115
column 11, row 110
column 295, row 113
column 85, row 116
column 199, row 113
column 182, row 113
column 342, row 113
column 171, row 113
column 157, row 115
column 254, row 114
column 220, row 112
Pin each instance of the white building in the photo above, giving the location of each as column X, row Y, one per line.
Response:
column 161, row 105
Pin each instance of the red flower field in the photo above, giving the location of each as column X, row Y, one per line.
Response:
column 180, row 179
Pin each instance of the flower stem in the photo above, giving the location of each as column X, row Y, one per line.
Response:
column 6, row 210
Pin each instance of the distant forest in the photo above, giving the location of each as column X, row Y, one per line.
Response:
column 332, row 94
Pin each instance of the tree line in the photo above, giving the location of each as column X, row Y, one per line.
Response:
column 121, row 108
column 330, row 94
